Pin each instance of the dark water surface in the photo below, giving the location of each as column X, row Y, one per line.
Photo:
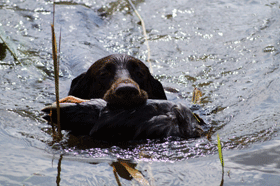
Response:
column 229, row 49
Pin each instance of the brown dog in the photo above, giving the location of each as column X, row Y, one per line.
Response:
column 119, row 79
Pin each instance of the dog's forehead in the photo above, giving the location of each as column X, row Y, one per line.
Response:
column 122, row 59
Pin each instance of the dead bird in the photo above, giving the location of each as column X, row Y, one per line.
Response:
column 155, row 119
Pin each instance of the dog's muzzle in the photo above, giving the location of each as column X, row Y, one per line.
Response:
column 125, row 93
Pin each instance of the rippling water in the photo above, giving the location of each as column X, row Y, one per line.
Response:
column 229, row 49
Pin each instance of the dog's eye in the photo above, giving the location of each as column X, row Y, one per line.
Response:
column 140, row 74
column 110, row 68
column 107, row 70
column 134, row 66
column 103, row 74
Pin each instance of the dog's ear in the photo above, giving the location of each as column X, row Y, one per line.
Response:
column 157, row 89
column 80, row 87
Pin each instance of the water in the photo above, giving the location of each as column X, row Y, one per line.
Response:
column 229, row 49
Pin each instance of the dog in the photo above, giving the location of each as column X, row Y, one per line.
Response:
column 118, row 99
column 119, row 79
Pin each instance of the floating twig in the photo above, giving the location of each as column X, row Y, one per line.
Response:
column 135, row 174
column 197, row 94
column 144, row 32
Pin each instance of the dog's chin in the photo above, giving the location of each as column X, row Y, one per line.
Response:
column 125, row 101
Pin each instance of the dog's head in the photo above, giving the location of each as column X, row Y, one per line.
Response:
column 119, row 79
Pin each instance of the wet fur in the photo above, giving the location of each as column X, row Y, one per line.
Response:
column 103, row 77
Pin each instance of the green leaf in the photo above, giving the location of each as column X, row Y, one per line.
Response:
column 220, row 151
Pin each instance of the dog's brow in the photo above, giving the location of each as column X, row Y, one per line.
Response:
column 120, row 59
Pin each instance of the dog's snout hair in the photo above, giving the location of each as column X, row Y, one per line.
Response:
column 125, row 93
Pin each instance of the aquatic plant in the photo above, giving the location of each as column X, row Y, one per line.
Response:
column 144, row 33
column 56, row 73
column 221, row 157
column 8, row 44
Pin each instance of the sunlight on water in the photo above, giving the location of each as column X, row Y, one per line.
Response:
column 230, row 50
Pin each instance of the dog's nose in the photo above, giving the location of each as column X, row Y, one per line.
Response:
column 126, row 89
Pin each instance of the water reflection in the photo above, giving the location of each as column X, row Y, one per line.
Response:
column 121, row 168
column 3, row 49
column 169, row 150
column 125, row 170
column 59, row 170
